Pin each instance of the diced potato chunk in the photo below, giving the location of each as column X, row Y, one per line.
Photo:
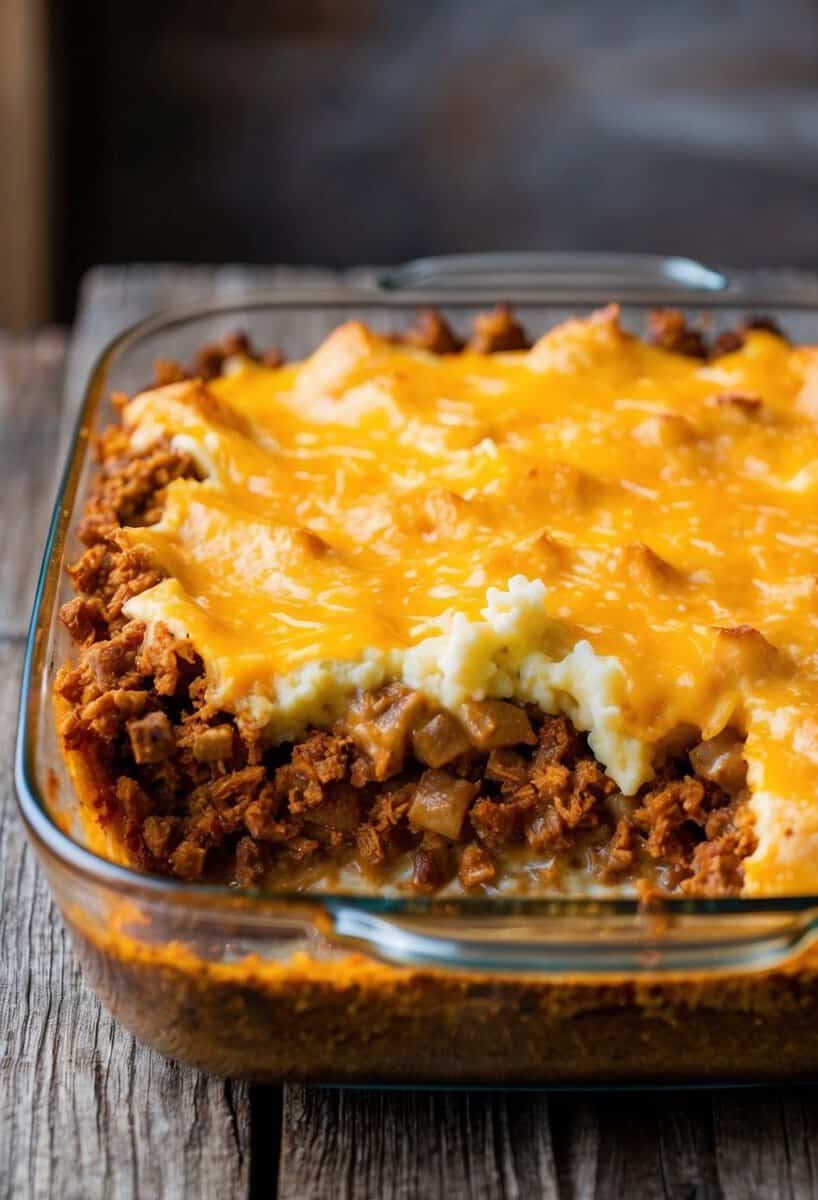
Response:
column 440, row 803
column 491, row 723
column 440, row 741
column 721, row 759
column 213, row 745
column 383, row 734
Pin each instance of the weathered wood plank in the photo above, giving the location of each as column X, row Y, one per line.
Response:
column 663, row 1145
column 84, row 1110
column 358, row 1143
column 405, row 1145
column 31, row 374
column 646, row 1144
column 766, row 1144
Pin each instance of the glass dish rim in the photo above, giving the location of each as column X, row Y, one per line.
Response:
column 797, row 290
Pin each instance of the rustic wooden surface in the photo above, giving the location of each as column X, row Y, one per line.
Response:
column 86, row 1112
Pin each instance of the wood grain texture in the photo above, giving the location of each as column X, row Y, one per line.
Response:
column 686, row 1145
column 646, row 1144
column 31, row 374
column 84, row 1111
column 352, row 1144
column 766, row 1144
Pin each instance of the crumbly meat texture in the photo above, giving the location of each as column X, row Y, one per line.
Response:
column 399, row 789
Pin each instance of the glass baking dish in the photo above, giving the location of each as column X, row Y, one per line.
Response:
column 343, row 988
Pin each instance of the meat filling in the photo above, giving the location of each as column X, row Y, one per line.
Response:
column 404, row 791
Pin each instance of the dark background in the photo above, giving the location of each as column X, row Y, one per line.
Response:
column 365, row 131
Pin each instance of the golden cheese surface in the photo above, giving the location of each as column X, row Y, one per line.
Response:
column 349, row 506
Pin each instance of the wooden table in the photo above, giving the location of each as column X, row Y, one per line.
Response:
column 86, row 1112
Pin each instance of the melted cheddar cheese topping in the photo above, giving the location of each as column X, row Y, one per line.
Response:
column 595, row 525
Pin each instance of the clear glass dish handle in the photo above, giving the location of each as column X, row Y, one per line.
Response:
column 684, row 940
column 557, row 273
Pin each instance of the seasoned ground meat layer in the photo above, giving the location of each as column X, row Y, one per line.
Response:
column 404, row 792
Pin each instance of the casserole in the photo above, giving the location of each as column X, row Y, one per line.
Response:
column 176, row 963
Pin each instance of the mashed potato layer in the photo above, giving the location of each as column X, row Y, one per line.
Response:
column 504, row 655
column 595, row 526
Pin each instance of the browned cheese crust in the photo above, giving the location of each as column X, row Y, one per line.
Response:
column 398, row 788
